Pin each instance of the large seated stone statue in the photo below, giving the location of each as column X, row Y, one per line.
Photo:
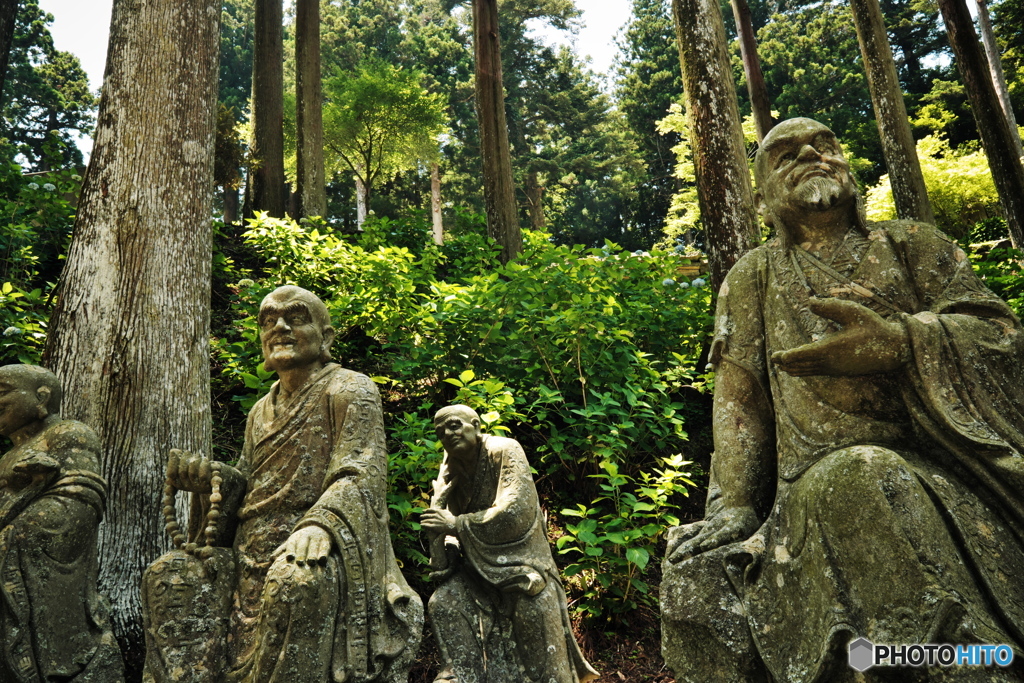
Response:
column 53, row 624
column 318, row 595
column 499, row 614
column 867, row 479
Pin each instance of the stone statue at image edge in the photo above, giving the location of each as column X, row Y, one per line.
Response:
column 867, row 479
column 314, row 593
column 54, row 626
column 499, row 613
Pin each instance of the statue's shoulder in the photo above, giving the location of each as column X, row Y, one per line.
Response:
column 76, row 440
column 342, row 380
column 749, row 270
column 909, row 232
column 503, row 445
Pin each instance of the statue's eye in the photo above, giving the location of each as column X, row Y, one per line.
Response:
column 787, row 157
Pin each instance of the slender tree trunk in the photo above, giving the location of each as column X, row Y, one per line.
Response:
column 898, row 146
column 435, row 203
column 267, row 145
column 8, row 14
column 719, row 156
column 995, row 68
column 130, row 334
column 535, row 200
column 760, row 104
column 499, row 191
column 996, row 137
column 362, row 197
column 309, row 110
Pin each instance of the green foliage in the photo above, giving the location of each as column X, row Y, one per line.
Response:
column 578, row 353
column 959, row 184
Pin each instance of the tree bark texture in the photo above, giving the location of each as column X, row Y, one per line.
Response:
column 309, row 111
column 996, row 137
column 499, row 191
column 266, row 148
column 129, row 337
column 898, row 146
column 995, row 68
column 719, row 155
column 760, row 104
column 8, row 15
column 435, row 203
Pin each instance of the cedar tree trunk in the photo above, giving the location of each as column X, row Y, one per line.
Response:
column 996, row 136
column 719, row 156
column 130, row 333
column 760, row 105
column 995, row 68
column 8, row 14
column 266, row 149
column 499, row 191
column 309, row 111
column 435, row 203
column 905, row 176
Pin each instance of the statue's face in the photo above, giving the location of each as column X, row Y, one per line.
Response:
column 19, row 404
column 289, row 335
column 457, row 435
column 803, row 169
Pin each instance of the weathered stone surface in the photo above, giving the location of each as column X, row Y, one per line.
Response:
column 499, row 613
column 867, row 479
column 53, row 624
column 317, row 594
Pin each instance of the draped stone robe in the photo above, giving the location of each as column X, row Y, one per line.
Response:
column 897, row 506
column 320, row 460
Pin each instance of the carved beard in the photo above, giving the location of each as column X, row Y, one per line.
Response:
column 819, row 192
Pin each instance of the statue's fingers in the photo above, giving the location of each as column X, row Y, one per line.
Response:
column 172, row 465
column 301, row 548
column 205, row 473
column 840, row 310
column 321, row 551
column 279, row 551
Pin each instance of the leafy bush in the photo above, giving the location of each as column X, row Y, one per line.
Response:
column 578, row 353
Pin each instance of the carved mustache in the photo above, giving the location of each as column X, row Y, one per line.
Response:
column 816, row 167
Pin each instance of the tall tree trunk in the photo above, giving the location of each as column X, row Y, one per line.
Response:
column 130, row 334
column 996, row 137
column 362, row 197
column 230, row 196
column 499, row 190
column 905, row 175
column 535, row 201
column 8, row 14
column 760, row 105
column 995, row 68
column 309, row 111
column 435, row 203
column 719, row 156
column 267, row 145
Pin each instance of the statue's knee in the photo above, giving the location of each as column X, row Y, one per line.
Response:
column 844, row 471
column 292, row 583
column 447, row 597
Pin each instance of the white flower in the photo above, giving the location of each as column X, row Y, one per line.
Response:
column 668, row 282
column 699, row 282
column 33, row 186
column 12, row 332
column 76, row 177
column 245, row 282
column 684, row 285
column 49, row 187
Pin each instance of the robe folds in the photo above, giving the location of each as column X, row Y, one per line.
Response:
column 53, row 623
column 897, row 507
column 505, row 585
column 321, row 460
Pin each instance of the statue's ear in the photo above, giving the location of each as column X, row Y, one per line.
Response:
column 328, row 333
column 762, row 206
column 43, row 394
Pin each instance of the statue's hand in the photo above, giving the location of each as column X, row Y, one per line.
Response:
column 309, row 545
column 189, row 472
column 728, row 526
column 866, row 345
column 440, row 521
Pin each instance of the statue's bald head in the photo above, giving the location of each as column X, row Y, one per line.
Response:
column 463, row 412
column 782, row 134
column 289, row 293
column 33, row 378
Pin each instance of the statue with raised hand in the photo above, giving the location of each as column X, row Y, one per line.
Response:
column 54, row 626
column 318, row 596
column 868, row 478
column 499, row 613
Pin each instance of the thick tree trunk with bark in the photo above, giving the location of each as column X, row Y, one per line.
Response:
column 8, row 13
column 130, row 334
column 719, row 156
column 309, row 111
column 266, row 149
column 499, row 191
column 996, row 137
column 995, row 68
column 760, row 104
column 898, row 146
column 435, row 203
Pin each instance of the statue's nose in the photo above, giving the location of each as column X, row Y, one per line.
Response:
column 808, row 152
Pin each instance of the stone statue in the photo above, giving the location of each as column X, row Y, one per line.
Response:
column 499, row 614
column 54, row 626
column 318, row 596
column 867, row 479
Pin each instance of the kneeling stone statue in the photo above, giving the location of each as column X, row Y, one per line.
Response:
column 309, row 590
column 54, row 626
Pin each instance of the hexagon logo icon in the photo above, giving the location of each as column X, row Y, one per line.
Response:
column 862, row 654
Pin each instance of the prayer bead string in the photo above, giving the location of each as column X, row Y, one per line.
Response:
column 204, row 551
